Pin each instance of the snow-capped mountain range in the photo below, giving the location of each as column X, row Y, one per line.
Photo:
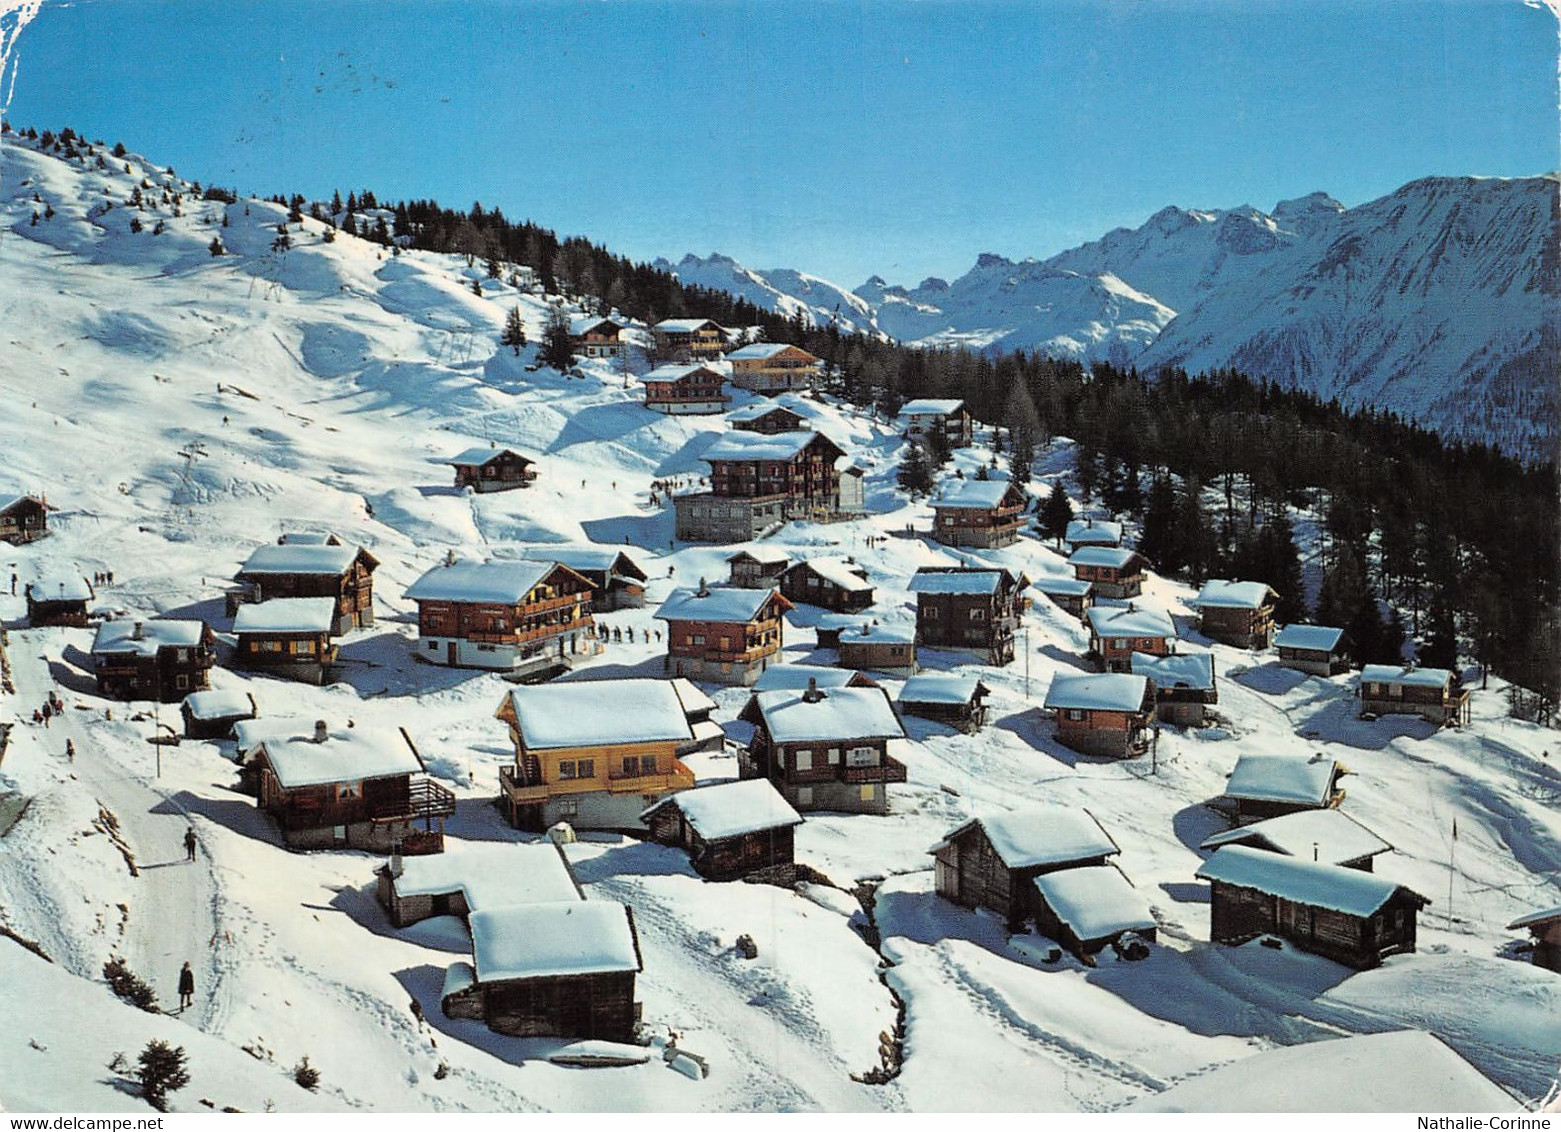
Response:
column 1436, row 301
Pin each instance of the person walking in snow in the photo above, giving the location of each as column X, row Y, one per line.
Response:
column 417, row 1013
column 47, row 712
column 13, row 583
column 186, row 987
column 189, row 844
column 70, row 750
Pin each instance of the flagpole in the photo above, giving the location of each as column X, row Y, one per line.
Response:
column 1452, row 850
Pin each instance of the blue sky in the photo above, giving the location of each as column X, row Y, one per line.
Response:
column 842, row 138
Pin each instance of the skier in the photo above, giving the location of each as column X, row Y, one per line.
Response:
column 189, row 844
column 186, row 987
column 417, row 1013
column 70, row 750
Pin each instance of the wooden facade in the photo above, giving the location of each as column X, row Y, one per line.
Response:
column 729, row 847
column 774, row 368
column 1113, row 572
column 1545, row 929
column 758, row 568
column 689, row 339
column 955, row 701
column 966, row 608
column 838, row 760
column 1117, row 632
column 1239, row 614
column 58, row 601
column 758, row 482
column 773, row 419
column 23, row 519
column 949, row 420
column 216, row 720
column 485, row 469
column 878, row 648
column 155, row 660
column 517, row 617
column 344, row 574
column 685, row 390
column 725, row 640
column 598, row 338
column 1315, row 649
column 837, row 584
column 1102, row 715
column 1436, row 695
column 981, row 513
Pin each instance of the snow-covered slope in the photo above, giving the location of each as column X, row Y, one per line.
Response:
column 180, row 409
column 782, row 290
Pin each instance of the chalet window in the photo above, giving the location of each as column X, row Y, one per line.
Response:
column 568, row 807
column 726, row 644
column 868, row 792
column 834, row 756
column 862, row 756
column 896, row 650
column 181, row 681
column 268, row 646
column 1146, row 644
column 348, row 791
column 804, row 795
column 930, row 613
column 696, row 638
column 433, row 646
column 1073, row 715
column 802, row 760
column 301, row 648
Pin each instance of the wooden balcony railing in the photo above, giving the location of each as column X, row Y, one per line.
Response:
column 890, row 770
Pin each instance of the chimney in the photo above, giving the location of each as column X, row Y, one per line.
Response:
column 704, row 589
column 449, row 557
column 395, row 861
column 321, row 732
column 813, row 695
column 865, row 632
column 137, row 633
column 1314, row 850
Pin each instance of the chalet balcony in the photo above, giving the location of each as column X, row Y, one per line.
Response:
column 891, row 770
column 425, row 801
column 681, row 778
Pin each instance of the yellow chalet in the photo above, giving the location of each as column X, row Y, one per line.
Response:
column 595, row 754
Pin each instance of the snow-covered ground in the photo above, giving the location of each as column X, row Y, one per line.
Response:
column 122, row 358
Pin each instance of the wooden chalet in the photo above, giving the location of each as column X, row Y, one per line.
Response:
column 827, row 629
column 592, row 753
column 797, row 677
column 968, row 608
column 1070, row 594
column 288, row 637
column 685, row 390
column 888, row 647
column 1350, row 916
column 824, row 749
column 343, row 573
column 211, row 714
column 1317, row 649
column 474, row 877
column 1239, row 614
column 1092, row 532
column 356, row 788
column 689, row 339
column 945, row 697
column 758, row 482
column 991, row 861
column 596, row 337
column 768, row 417
column 853, row 489
column 1116, row 632
column 1329, row 836
column 1268, row 786
column 726, row 635
column 833, row 583
column 23, row 518
column 1183, row 685
column 979, row 513
column 617, row 581
column 1102, row 715
column 563, row 969
column 949, row 419
column 158, row 659
column 529, row 619
column 757, row 567
column 698, row 708
column 58, row 599
column 492, row 469
column 1434, row 694
column 1090, row 908
column 1113, row 571
column 735, row 829
column 774, row 367
column 1545, row 927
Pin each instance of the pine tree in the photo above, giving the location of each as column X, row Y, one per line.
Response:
column 1159, row 541
column 477, row 287
column 558, row 349
column 1199, row 549
column 514, row 335
column 1056, row 514
column 163, row 1070
column 915, row 474
column 1440, row 649
column 306, row 1075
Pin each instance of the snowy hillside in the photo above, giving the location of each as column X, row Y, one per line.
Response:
column 180, row 408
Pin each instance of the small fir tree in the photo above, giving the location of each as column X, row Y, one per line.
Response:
column 915, row 474
column 558, row 348
column 1056, row 514
column 514, row 335
column 163, row 1070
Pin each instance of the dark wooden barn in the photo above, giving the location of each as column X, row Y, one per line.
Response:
column 731, row 830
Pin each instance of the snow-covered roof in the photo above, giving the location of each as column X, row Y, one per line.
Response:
column 694, row 700
column 684, row 325
column 564, row 937
column 779, row 677
column 973, row 494
column 144, row 638
column 1219, row 594
column 1034, row 836
column 839, row 571
column 458, row 976
column 300, row 559
column 1093, row 532
column 759, row 409
column 879, row 633
column 758, row 446
column 1067, row 587
column 491, row 874
column 1400, row 1071
column 1194, row 670
column 1534, row 919
column 218, row 703
column 1335, row 838
column 598, row 713
column 1108, row 691
column 768, row 555
column 476, row 457
column 1114, row 557
column 503, row 582
column 1130, row 621
column 584, row 323
column 840, row 713
column 247, row 733
column 1282, row 778
column 730, row 604
column 731, row 809
column 1354, row 892
column 1095, row 902
column 308, row 538
column 924, row 406
column 760, row 351
column 9, row 500
column 674, row 374
column 348, row 755
column 582, row 557
column 286, row 615
column 1398, row 674
column 940, row 688
column 59, row 587
column 933, row 580
column 1322, row 638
